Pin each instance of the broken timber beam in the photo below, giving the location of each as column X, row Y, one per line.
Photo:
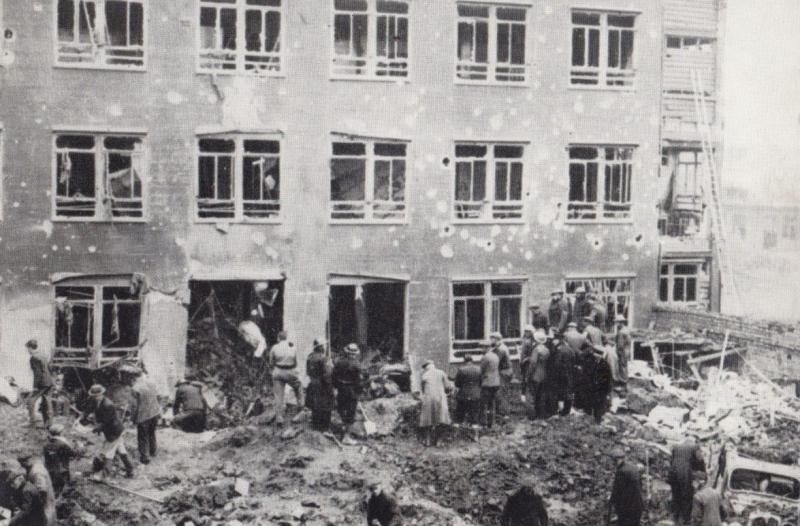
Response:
column 125, row 490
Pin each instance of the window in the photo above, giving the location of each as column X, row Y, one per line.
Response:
column 238, row 178
column 482, row 307
column 616, row 294
column 488, row 182
column 765, row 483
column 97, row 323
column 240, row 36
column 491, row 43
column 105, row 33
column 370, row 38
column 602, row 49
column 678, row 282
column 690, row 44
column 770, row 239
column 791, row 225
column 99, row 177
column 600, row 183
column 368, row 181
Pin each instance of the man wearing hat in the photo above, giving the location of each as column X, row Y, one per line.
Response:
column 687, row 459
column 594, row 336
column 597, row 311
column 42, row 383
column 490, row 385
column 190, row 409
column 468, row 392
column 146, row 414
column 536, row 379
column 283, row 362
column 538, row 318
column 558, row 312
column 525, row 351
column 626, row 491
column 347, row 380
column 108, row 423
column 506, row 373
column 57, row 453
column 580, row 307
column 319, row 393
column 561, row 373
column 622, row 342
column 38, row 500
column 434, row 411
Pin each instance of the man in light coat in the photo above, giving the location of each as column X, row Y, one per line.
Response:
column 490, row 384
column 146, row 414
column 42, row 383
column 435, row 411
column 536, row 379
column 283, row 363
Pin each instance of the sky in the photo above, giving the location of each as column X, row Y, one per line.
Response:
column 760, row 92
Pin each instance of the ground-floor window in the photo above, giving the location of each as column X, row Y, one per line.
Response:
column 482, row 307
column 678, row 282
column 615, row 294
column 97, row 322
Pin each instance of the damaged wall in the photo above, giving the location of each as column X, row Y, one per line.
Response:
column 171, row 102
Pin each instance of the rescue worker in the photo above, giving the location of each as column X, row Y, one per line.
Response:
column 434, row 411
column 146, row 414
column 537, row 375
column 319, row 393
column 538, row 318
column 709, row 507
column 626, row 492
column 57, row 453
column 490, row 385
column 600, row 385
column 558, row 312
column 347, row 380
column 580, row 307
column 468, row 392
column 107, row 422
column 283, row 363
column 382, row 507
column 594, row 336
column 563, row 361
column 506, row 373
column 525, row 507
column 38, row 500
column 686, row 459
column 42, row 384
column 525, row 351
column 190, row 408
column 622, row 342
column 597, row 311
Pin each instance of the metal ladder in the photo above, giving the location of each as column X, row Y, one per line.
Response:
column 713, row 191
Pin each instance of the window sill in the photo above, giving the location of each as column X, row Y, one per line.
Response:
column 598, row 221
column 583, row 87
column 101, row 67
column 59, row 219
column 491, row 83
column 236, row 72
column 488, row 221
column 217, row 221
column 363, row 222
column 369, row 78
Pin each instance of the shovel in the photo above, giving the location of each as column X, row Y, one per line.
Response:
column 369, row 426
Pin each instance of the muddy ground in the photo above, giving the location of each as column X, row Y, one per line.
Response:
column 298, row 476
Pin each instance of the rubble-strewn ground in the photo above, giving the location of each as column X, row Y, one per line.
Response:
column 258, row 473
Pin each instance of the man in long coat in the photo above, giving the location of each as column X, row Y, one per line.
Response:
column 626, row 492
column 319, row 393
column 468, row 392
column 686, row 459
column 558, row 312
column 490, row 384
column 347, row 380
column 506, row 374
column 622, row 341
column 537, row 375
column 42, row 383
column 434, row 411
column 563, row 361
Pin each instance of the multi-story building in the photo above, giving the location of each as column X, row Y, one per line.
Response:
column 408, row 174
column 688, row 269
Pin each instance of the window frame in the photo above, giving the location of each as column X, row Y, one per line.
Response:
column 369, row 181
column 97, row 64
column 102, row 212
column 602, row 70
column 237, row 178
column 371, row 58
column 492, row 63
column 96, row 350
column 457, row 348
column 241, row 6
column 671, row 278
column 489, row 203
column 590, row 282
column 600, row 205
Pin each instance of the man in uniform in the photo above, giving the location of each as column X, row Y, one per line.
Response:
column 347, row 380
column 580, row 307
column 319, row 393
column 626, row 492
column 146, row 414
column 506, row 373
column 468, row 392
column 42, row 383
column 283, row 363
column 686, row 459
column 190, row 408
column 558, row 312
column 490, row 384
column 622, row 341
column 536, row 379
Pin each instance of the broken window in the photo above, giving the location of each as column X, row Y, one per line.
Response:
column 690, row 44
column 238, row 178
column 602, row 49
column 593, row 166
column 678, row 282
column 370, row 38
column 616, row 294
column 368, row 180
column 101, row 33
column 240, row 36
column 488, row 181
column 482, row 307
column 491, row 43
column 97, row 323
column 99, row 177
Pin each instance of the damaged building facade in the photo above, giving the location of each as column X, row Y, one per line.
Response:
column 406, row 174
